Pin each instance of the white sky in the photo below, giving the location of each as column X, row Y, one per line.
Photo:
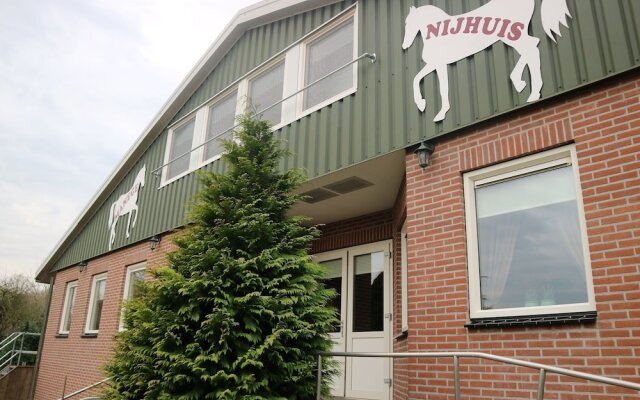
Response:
column 79, row 81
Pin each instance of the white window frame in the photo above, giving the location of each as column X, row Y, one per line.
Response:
column 404, row 279
column 292, row 108
column 205, row 123
column 90, row 310
column 257, row 74
column 66, row 313
column 193, row 155
column 302, row 63
column 510, row 169
column 127, row 285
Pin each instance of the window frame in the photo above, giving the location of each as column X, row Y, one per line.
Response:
column 404, row 279
column 294, row 68
column 270, row 66
column 509, row 170
column 127, row 283
column 90, row 307
column 205, row 112
column 68, row 312
column 169, row 144
column 306, row 43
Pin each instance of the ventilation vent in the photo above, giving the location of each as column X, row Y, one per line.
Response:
column 316, row 195
column 348, row 185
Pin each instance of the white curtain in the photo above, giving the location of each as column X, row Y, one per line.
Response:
column 497, row 246
column 569, row 228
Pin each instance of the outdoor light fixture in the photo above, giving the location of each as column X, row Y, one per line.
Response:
column 82, row 266
column 423, row 153
column 155, row 239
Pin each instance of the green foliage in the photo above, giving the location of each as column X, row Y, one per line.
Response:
column 241, row 313
column 22, row 305
column 22, row 308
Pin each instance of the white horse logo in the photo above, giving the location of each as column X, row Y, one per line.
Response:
column 449, row 39
column 126, row 204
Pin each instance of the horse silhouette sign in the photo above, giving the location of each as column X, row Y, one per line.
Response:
column 126, row 204
column 451, row 38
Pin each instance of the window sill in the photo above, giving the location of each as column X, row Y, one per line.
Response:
column 62, row 336
column 89, row 335
column 533, row 320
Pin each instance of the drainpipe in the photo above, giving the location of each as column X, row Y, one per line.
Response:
column 34, row 378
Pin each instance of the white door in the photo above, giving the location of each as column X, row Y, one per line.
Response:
column 363, row 285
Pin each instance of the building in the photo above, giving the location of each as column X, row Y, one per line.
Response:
column 520, row 238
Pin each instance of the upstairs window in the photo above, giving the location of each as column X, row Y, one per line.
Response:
column 181, row 141
column 196, row 139
column 67, row 307
column 221, row 118
column 96, row 302
column 527, row 245
column 267, row 89
column 324, row 55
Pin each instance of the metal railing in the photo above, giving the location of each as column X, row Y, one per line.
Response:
column 84, row 389
column 456, row 356
column 371, row 56
column 15, row 342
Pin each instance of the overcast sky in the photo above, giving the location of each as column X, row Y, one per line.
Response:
column 79, row 81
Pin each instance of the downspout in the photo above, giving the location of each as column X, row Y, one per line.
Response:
column 34, row 378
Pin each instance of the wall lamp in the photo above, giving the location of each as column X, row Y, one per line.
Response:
column 82, row 266
column 155, row 240
column 424, row 153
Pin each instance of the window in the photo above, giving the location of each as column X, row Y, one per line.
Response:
column 96, row 300
column 181, row 141
column 135, row 275
column 333, row 280
column 67, row 307
column 221, row 118
column 323, row 56
column 196, row 138
column 266, row 90
column 404, row 278
column 527, row 246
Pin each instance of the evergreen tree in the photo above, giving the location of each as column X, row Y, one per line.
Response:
column 242, row 312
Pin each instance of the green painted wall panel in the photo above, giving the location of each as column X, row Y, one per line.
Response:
column 603, row 39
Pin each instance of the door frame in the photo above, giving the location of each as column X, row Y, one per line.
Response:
column 347, row 256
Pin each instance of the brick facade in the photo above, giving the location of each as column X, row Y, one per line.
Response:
column 604, row 124
column 75, row 358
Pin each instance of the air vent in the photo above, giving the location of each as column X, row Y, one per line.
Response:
column 348, row 185
column 316, row 195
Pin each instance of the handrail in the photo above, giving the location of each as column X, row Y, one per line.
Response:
column 8, row 340
column 84, row 389
column 6, row 358
column 462, row 354
column 371, row 56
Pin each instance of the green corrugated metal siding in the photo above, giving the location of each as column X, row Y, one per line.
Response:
column 603, row 40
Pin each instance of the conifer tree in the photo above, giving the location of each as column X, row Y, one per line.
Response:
column 241, row 312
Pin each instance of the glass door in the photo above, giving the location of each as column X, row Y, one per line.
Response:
column 368, row 321
column 336, row 264
column 362, row 280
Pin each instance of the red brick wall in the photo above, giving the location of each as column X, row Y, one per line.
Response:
column 76, row 358
column 400, row 378
column 355, row 231
column 604, row 124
